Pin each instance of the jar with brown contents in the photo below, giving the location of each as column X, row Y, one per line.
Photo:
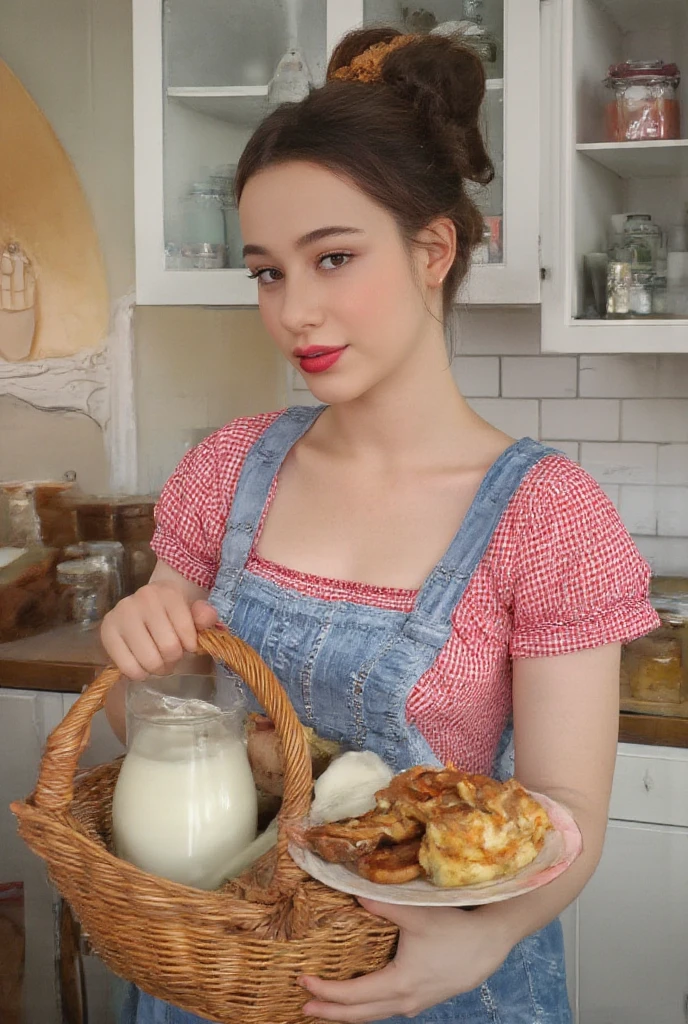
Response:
column 656, row 665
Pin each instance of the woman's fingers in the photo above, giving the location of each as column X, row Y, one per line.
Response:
column 203, row 614
column 118, row 651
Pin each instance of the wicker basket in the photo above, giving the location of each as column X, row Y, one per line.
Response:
column 232, row 955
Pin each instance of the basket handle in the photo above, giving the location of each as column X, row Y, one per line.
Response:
column 54, row 790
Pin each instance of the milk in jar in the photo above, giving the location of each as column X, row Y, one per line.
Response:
column 185, row 801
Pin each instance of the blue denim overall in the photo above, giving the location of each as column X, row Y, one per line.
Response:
column 349, row 669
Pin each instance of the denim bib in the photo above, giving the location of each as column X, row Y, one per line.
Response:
column 349, row 670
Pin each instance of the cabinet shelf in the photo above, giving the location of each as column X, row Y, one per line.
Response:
column 240, row 104
column 653, row 159
column 244, row 104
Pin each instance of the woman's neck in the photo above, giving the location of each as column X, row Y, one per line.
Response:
column 417, row 417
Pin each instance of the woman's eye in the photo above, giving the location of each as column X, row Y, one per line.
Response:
column 335, row 260
column 268, row 275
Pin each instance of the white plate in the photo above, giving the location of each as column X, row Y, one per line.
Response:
column 562, row 845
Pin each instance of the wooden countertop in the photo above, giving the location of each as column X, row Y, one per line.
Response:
column 67, row 659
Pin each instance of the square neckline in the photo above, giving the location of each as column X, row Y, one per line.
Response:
column 390, row 596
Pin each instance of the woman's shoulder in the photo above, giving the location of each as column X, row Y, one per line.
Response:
column 239, row 434
column 558, row 484
column 559, row 513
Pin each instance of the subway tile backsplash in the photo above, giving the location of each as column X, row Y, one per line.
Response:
column 623, row 417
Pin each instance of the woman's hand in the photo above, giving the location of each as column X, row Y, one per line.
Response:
column 442, row 952
column 148, row 632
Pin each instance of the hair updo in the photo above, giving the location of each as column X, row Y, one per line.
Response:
column 410, row 140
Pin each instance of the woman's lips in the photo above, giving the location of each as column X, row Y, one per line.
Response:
column 317, row 360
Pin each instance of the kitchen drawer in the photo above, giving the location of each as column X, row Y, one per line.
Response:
column 650, row 788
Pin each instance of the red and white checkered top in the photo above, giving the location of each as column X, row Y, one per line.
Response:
column 560, row 574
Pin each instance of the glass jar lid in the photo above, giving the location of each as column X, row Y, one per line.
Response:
column 81, row 571
column 643, row 72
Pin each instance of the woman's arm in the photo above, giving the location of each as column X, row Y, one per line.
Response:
column 148, row 632
column 566, row 726
column 566, row 720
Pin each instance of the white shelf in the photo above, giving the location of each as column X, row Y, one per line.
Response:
column 494, row 83
column 658, row 159
column 597, row 337
column 240, row 104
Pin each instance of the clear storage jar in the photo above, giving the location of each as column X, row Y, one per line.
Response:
column 204, row 246
column 644, row 103
column 642, row 240
column 88, row 587
column 185, row 802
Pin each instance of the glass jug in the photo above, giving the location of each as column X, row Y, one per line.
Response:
column 185, row 802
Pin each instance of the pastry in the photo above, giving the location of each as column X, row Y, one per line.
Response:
column 452, row 827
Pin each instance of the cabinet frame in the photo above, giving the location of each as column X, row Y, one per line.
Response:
column 515, row 281
column 561, row 332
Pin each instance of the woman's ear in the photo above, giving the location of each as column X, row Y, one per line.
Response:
column 437, row 244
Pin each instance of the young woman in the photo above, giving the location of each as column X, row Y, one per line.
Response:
column 423, row 585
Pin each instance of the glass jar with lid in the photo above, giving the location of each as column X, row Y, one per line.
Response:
column 185, row 802
column 656, row 665
column 644, row 102
column 88, row 583
column 204, row 245
column 642, row 239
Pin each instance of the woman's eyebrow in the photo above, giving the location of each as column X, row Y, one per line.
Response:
column 307, row 239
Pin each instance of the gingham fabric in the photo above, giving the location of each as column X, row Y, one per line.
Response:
column 561, row 574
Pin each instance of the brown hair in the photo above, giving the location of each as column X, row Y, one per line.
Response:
column 410, row 140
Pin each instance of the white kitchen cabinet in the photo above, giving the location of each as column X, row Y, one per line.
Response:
column 627, row 934
column 26, row 719
column 202, row 81
column 586, row 179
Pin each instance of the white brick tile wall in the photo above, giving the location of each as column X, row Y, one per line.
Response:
column 666, row 555
column 581, row 419
column 633, row 376
column 672, row 377
column 518, row 417
column 628, row 426
column 613, row 492
column 638, row 509
column 621, row 462
column 618, row 376
column 672, row 512
column 477, row 376
column 570, row 448
column 539, row 377
column 654, row 419
column 672, row 464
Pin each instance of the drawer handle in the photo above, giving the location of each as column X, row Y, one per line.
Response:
column 648, row 781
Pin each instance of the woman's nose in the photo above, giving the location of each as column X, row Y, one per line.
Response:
column 301, row 307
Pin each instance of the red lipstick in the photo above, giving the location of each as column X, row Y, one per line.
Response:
column 317, row 358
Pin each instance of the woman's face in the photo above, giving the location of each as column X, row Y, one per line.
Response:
column 337, row 289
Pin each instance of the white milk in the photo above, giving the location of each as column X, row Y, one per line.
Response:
column 183, row 813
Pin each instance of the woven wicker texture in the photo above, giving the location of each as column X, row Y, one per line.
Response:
column 232, row 955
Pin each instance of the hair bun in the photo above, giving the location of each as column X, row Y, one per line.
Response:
column 442, row 79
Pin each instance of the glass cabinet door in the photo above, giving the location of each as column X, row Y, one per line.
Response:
column 479, row 24
column 206, row 73
column 506, row 266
